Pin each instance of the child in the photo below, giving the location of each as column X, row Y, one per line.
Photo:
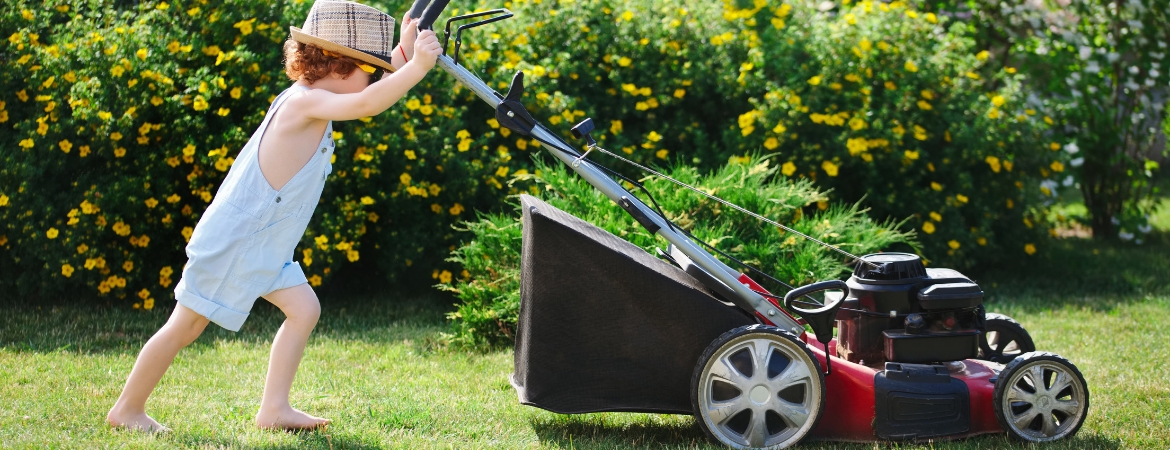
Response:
column 242, row 246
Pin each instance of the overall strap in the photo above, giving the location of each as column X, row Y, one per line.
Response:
column 276, row 104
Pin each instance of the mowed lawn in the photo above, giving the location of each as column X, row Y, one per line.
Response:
column 377, row 368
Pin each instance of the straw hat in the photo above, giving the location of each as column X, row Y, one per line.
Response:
column 349, row 29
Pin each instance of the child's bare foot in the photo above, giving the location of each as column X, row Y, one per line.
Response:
column 289, row 418
column 135, row 422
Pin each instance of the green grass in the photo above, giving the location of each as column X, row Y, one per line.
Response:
column 375, row 368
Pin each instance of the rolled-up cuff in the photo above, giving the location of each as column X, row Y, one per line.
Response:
column 215, row 312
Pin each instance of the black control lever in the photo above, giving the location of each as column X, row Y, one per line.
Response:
column 820, row 319
column 511, row 113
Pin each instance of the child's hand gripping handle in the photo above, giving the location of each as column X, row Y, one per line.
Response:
column 431, row 13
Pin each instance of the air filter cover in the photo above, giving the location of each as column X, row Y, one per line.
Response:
column 889, row 268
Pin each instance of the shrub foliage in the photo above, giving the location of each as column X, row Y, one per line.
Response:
column 489, row 290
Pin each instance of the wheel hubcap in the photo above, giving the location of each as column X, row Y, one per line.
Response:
column 1044, row 402
column 759, row 392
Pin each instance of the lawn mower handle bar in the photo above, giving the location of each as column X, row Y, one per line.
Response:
column 752, row 301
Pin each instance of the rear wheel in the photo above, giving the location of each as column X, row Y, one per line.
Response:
column 1003, row 339
column 1041, row 397
column 757, row 387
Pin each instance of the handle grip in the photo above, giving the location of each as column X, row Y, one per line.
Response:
column 432, row 13
column 815, row 287
column 416, row 10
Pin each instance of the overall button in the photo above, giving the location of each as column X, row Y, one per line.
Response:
column 277, row 199
column 323, row 149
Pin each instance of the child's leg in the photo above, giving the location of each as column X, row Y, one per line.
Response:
column 157, row 355
column 301, row 309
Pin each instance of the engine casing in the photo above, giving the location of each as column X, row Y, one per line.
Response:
column 904, row 312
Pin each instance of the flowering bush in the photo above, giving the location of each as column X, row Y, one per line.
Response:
column 489, row 289
column 125, row 119
column 124, row 122
column 874, row 100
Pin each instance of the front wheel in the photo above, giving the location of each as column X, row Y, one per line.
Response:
column 1041, row 397
column 757, row 386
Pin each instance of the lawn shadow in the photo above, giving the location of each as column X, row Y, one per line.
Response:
column 593, row 431
column 590, row 431
column 90, row 328
column 1091, row 274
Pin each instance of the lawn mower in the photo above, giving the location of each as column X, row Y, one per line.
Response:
column 606, row 326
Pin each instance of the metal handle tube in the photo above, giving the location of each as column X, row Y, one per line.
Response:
column 615, row 191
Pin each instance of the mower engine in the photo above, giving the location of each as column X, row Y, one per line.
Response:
column 897, row 310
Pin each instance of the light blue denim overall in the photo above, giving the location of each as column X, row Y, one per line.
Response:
column 242, row 247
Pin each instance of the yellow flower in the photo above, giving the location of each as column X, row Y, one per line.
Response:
column 771, row 143
column 953, row 244
column 65, row 145
column 52, row 233
column 910, row 66
column 653, row 136
column 936, row 216
column 934, row 185
column 456, row 209
column 788, row 169
column 352, row 255
column 1057, row 166
column 148, row 304
column 624, row 61
column 661, row 154
column 1054, row 146
column 26, row 143
column 679, row 93
column 315, row 280
column 1029, row 249
column 993, row 113
column 830, row 168
column 141, row 53
column 67, row 270
column 911, row 154
column 128, row 266
column 993, row 162
column 930, row 17
column 366, row 200
column 982, row 56
column 961, row 198
column 426, row 110
column 224, row 111
column 245, row 26
column 200, row 103
column 856, row 123
column 928, row 228
column 151, row 202
column 891, row 86
column 981, row 241
column 924, row 105
column 972, row 75
column 815, row 80
column 445, row 277
column 998, row 100
column 404, row 178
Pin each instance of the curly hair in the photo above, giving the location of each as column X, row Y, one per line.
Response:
column 308, row 61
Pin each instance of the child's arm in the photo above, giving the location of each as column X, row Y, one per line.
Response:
column 405, row 50
column 324, row 105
